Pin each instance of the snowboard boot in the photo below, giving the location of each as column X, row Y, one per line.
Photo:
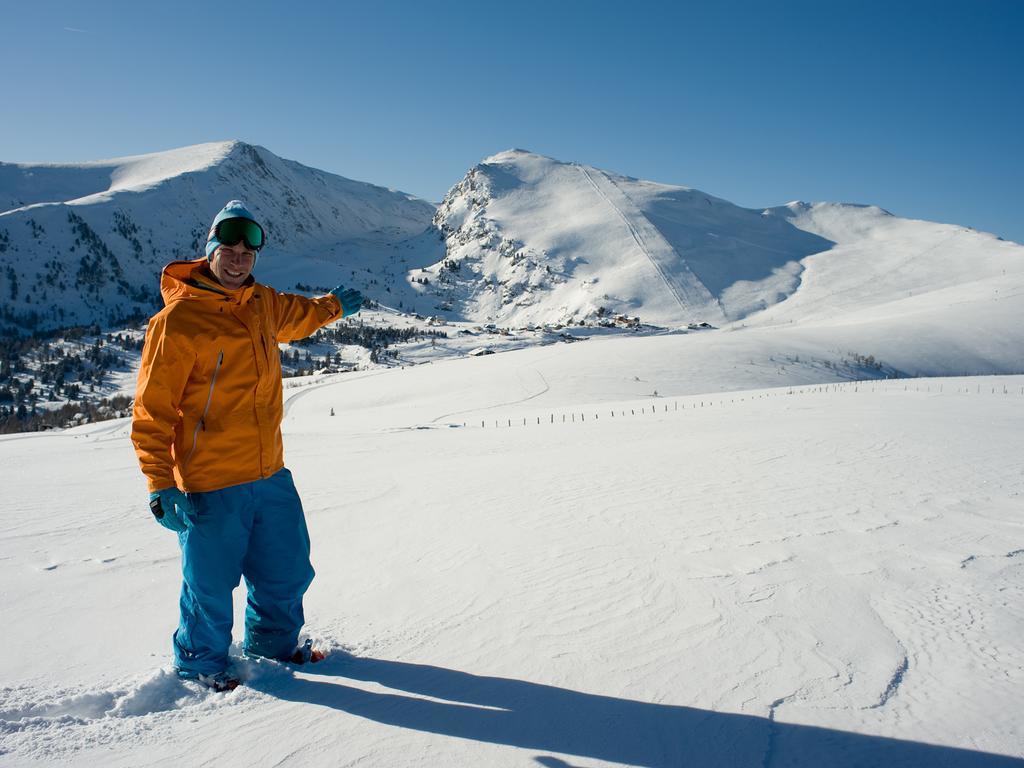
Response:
column 307, row 654
column 221, row 682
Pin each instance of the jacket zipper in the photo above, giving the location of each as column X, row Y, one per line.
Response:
column 201, row 424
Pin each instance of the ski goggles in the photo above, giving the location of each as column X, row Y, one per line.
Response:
column 234, row 231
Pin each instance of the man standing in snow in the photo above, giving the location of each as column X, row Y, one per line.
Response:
column 206, row 426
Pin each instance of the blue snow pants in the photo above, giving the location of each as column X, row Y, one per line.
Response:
column 257, row 531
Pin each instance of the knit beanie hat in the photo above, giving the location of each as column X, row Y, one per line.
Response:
column 235, row 209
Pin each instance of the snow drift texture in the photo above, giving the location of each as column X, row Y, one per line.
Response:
column 828, row 576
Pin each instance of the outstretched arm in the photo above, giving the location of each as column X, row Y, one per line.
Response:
column 298, row 316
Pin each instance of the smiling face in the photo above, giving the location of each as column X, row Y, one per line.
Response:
column 232, row 264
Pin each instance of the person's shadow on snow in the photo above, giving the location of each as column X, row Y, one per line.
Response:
column 571, row 723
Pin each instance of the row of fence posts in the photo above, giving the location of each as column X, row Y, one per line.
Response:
column 837, row 387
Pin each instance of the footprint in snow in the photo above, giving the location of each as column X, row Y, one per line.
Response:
column 161, row 692
column 84, row 706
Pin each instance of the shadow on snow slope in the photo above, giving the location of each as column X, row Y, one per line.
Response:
column 548, row 719
column 724, row 244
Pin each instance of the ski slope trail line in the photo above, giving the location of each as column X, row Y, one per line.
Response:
column 686, row 288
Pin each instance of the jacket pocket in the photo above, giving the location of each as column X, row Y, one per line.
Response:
column 201, row 424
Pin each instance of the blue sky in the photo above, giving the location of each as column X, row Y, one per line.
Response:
column 911, row 105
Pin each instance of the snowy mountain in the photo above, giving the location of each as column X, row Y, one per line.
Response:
column 933, row 299
column 84, row 243
column 531, row 239
column 839, row 291
column 522, row 239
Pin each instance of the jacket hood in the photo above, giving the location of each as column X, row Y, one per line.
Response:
column 183, row 280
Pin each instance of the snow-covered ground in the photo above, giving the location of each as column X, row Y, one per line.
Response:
column 735, row 547
column 533, row 559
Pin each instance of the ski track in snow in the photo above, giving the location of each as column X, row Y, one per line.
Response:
column 542, row 390
column 691, row 295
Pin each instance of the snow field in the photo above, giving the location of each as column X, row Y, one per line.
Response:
column 783, row 568
column 770, row 577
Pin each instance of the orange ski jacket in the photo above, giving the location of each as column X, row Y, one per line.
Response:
column 208, row 404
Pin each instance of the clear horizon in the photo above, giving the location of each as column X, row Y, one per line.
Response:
column 915, row 108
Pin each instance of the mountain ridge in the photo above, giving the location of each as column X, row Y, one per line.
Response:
column 84, row 243
column 527, row 205
column 521, row 239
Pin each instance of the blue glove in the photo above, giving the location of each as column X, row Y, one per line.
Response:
column 171, row 508
column 351, row 300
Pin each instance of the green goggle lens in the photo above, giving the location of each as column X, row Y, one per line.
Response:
column 234, row 231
